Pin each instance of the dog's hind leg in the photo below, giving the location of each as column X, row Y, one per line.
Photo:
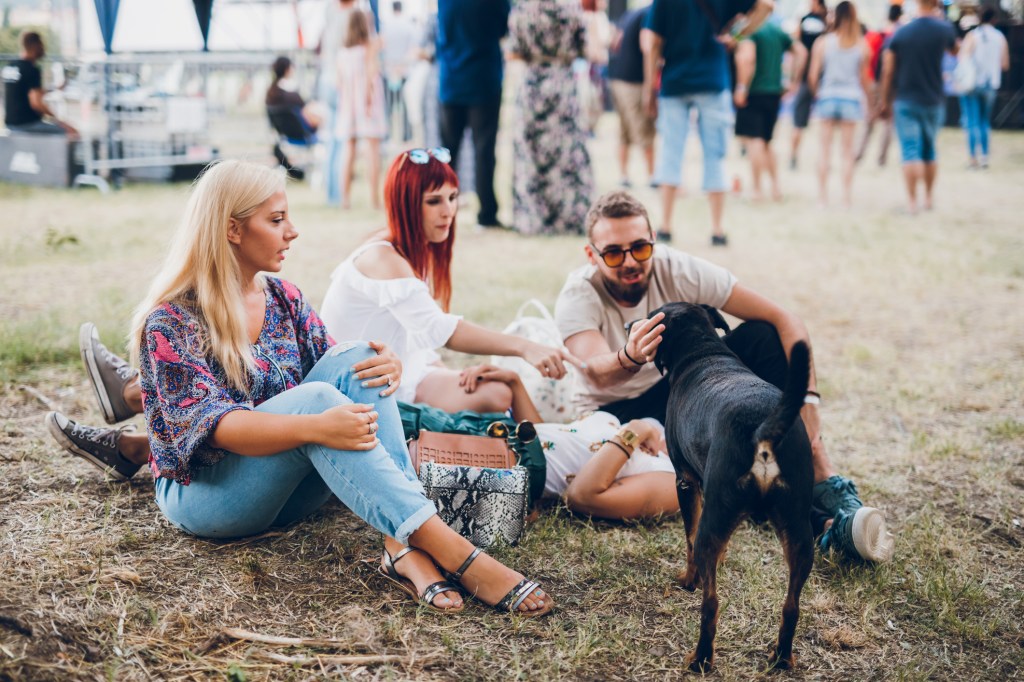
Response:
column 712, row 537
column 690, row 503
column 798, row 545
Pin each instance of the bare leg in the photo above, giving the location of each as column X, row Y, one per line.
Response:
column 912, row 173
column 441, row 389
column 374, row 176
column 846, row 131
column 772, row 166
column 486, row 578
column 133, row 396
column 931, row 171
column 624, row 162
column 795, row 146
column 421, row 570
column 668, row 200
column 350, row 160
column 717, row 202
column 649, row 159
column 824, row 159
column 134, row 447
column 756, row 152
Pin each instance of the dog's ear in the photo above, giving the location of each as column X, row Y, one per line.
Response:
column 717, row 321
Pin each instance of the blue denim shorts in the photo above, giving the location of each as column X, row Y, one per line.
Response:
column 917, row 126
column 837, row 109
column 714, row 126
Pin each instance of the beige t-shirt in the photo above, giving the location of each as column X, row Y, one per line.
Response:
column 584, row 304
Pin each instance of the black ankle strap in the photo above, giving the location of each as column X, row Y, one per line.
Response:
column 457, row 575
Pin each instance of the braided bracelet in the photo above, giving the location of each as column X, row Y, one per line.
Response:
column 623, row 365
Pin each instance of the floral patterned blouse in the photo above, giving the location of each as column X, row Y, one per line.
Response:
column 185, row 393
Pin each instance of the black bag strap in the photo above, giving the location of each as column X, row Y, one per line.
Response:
column 709, row 12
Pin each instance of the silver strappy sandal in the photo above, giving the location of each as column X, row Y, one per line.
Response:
column 516, row 596
column 429, row 593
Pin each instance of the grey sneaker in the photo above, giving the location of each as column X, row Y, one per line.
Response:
column 108, row 374
column 97, row 445
column 860, row 535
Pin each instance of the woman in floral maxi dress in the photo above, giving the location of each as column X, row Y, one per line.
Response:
column 552, row 179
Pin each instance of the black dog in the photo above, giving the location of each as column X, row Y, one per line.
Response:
column 737, row 439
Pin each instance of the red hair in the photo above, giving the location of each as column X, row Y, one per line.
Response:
column 404, row 187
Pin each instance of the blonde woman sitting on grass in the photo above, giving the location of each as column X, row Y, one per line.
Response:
column 256, row 418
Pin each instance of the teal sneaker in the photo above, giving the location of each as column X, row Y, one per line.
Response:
column 831, row 496
column 860, row 535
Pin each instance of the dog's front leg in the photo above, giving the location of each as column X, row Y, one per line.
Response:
column 690, row 504
column 798, row 546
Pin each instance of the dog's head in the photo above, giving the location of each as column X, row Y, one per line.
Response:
column 687, row 328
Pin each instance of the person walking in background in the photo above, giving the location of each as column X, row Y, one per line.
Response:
column 912, row 90
column 552, row 179
column 399, row 41
column 989, row 54
column 597, row 38
column 336, row 16
column 877, row 41
column 811, row 26
column 688, row 37
column 839, row 77
column 626, row 82
column 757, row 96
column 360, row 103
column 471, row 72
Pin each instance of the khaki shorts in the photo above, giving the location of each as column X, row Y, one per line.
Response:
column 635, row 127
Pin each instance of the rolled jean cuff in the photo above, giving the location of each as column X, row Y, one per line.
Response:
column 413, row 523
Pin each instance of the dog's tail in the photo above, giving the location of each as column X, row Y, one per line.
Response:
column 775, row 427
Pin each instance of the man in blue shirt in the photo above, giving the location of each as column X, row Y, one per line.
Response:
column 470, row 64
column 689, row 39
column 912, row 90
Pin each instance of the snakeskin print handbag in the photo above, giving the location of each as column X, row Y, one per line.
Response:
column 485, row 505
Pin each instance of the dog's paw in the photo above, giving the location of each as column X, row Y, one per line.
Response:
column 698, row 664
column 777, row 663
column 688, row 579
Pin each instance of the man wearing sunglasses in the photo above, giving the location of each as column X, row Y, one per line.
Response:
column 627, row 277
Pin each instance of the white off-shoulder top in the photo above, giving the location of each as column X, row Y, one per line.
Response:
column 398, row 312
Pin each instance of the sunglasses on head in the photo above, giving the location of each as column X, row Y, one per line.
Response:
column 615, row 256
column 422, row 156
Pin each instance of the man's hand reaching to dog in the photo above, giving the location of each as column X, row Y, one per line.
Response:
column 644, row 339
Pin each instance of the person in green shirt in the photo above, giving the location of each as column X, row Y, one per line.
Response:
column 757, row 95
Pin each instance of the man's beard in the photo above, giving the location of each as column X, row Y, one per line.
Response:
column 627, row 294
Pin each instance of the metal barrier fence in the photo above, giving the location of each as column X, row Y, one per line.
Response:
column 143, row 116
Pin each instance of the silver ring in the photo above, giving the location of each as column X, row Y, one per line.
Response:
column 389, row 379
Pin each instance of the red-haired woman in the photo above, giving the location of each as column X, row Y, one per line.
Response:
column 396, row 288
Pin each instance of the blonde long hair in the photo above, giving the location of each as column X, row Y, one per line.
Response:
column 201, row 271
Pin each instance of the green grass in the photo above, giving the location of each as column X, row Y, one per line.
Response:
column 916, row 328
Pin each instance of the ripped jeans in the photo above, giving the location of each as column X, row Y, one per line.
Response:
column 242, row 496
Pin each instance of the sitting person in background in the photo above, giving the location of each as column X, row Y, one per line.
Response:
column 256, row 418
column 24, row 107
column 289, row 114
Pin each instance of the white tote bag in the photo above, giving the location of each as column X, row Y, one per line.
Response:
column 553, row 398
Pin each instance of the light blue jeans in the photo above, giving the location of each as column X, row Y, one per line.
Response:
column 242, row 496
column 714, row 125
column 976, row 118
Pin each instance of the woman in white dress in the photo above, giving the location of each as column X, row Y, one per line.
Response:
column 396, row 289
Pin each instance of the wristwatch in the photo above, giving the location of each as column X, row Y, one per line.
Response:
column 628, row 438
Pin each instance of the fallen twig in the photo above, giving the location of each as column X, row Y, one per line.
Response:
column 238, row 633
column 49, row 404
column 375, row 659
